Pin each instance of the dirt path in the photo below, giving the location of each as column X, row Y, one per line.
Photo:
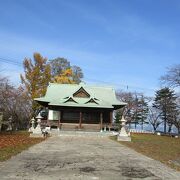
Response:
column 90, row 157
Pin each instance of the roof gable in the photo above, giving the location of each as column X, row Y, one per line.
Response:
column 70, row 99
column 91, row 101
column 81, row 93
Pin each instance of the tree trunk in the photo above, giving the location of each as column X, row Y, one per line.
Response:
column 165, row 126
column 142, row 126
column 169, row 128
column 154, row 127
column 178, row 130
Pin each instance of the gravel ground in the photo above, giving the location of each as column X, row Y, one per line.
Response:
column 83, row 157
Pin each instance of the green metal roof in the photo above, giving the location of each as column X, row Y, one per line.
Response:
column 59, row 94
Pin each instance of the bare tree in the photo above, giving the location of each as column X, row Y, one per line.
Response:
column 154, row 118
column 15, row 104
column 176, row 120
column 176, row 114
column 172, row 77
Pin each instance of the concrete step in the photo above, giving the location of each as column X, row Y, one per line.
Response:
column 81, row 133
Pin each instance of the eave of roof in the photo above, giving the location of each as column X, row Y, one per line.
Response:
column 58, row 95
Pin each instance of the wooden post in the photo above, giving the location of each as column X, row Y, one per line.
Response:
column 101, row 121
column 59, row 124
column 111, row 114
column 80, row 120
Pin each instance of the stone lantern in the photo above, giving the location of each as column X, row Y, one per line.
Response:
column 38, row 127
column 37, row 131
column 10, row 121
column 32, row 122
column 39, row 117
column 123, row 135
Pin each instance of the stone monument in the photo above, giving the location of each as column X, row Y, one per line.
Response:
column 123, row 135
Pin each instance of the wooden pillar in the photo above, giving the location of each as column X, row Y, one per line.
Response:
column 101, row 121
column 80, row 119
column 50, row 117
column 59, row 123
column 111, row 116
column 48, row 123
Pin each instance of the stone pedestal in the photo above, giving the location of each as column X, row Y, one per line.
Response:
column 123, row 135
column 36, row 135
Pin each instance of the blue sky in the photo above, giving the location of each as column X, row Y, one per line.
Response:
column 116, row 42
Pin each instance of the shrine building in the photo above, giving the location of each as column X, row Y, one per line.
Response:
column 80, row 106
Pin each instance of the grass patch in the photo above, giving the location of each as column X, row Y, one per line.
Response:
column 162, row 148
column 12, row 143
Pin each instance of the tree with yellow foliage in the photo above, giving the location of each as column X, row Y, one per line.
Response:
column 36, row 78
column 66, row 77
column 63, row 72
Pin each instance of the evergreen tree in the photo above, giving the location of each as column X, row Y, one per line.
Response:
column 118, row 115
column 136, row 112
column 165, row 102
column 139, row 111
column 143, row 108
